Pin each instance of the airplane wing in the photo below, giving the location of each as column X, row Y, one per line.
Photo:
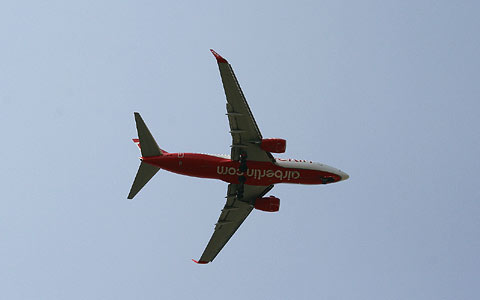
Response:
column 233, row 214
column 246, row 136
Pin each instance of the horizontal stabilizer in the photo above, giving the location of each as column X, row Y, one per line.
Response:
column 148, row 144
column 144, row 174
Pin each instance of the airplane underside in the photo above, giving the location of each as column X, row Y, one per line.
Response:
column 250, row 170
column 252, row 173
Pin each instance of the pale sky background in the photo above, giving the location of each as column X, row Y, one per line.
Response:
column 387, row 91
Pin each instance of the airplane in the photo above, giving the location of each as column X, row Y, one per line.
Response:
column 250, row 170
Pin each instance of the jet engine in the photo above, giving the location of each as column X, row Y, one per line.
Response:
column 274, row 145
column 270, row 204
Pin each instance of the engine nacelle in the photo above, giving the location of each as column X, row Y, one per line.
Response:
column 274, row 145
column 270, row 204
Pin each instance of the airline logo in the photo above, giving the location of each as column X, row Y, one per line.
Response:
column 259, row 174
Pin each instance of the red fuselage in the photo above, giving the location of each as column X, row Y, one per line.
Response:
column 258, row 173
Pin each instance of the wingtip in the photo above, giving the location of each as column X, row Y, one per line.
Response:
column 200, row 262
column 219, row 58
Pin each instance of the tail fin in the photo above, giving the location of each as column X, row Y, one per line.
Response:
column 148, row 144
column 148, row 148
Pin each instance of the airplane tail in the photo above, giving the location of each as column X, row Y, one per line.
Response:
column 148, row 146
column 137, row 142
column 144, row 174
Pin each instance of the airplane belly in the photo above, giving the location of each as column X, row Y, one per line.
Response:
column 264, row 173
column 257, row 173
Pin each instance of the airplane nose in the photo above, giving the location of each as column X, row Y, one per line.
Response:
column 344, row 175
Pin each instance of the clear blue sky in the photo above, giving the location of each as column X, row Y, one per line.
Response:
column 388, row 91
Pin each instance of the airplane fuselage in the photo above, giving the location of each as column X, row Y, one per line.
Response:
column 258, row 173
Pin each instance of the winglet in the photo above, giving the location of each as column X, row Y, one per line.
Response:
column 218, row 57
column 200, row 262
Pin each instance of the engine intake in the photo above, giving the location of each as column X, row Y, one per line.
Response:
column 270, row 204
column 274, row 145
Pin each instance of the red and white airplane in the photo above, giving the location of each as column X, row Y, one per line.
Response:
column 250, row 169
